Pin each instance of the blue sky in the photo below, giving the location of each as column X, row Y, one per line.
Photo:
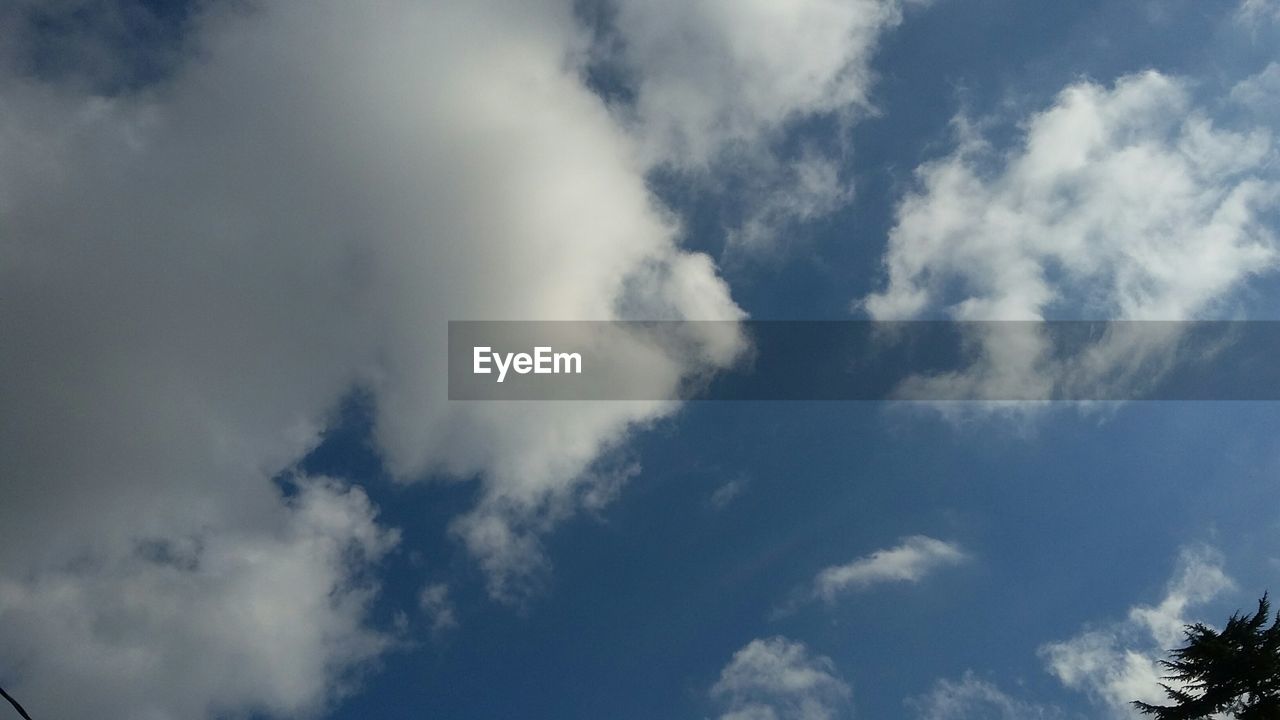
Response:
column 1067, row 528
column 230, row 237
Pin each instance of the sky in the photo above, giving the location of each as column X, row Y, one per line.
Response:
column 232, row 235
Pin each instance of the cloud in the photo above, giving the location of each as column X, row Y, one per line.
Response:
column 1118, row 664
column 737, row 73
column 269, row 619
column 1257, row 12
column 910, row 562
column 971, row 698
column 727, row 493
column 438, row 607
column 718, row 85
column 1125, row 201
column 196, row 271
column 786, row 194
column 779, row 679
column 1260, row 93
column 1113, row 664
column 1122, row 202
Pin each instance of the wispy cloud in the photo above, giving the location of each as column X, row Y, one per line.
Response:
column 971, row 698
column 437, row 606
column 779, row 679
column 1255, row 12
column 908, row 562
column 727, row 493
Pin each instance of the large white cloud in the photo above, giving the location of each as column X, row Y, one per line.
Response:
column 194, row 273
column 780, row 679
column 1121, row 202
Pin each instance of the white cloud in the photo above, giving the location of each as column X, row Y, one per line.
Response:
column 1118, row 664
column 269, row 619
column 194, row 274
column 910, row 562
column 718, row 82
column 1125, row 202
column 778, row 679
column 971, row 698
column 716, row 73
column 1121, row 202
column 1112, row 664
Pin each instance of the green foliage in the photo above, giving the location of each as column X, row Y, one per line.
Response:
column 1235, row 672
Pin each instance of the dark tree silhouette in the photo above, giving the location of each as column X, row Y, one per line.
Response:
column 1234, row 672
column 15, row 704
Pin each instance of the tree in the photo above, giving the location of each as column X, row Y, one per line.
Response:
column 1235, row 672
